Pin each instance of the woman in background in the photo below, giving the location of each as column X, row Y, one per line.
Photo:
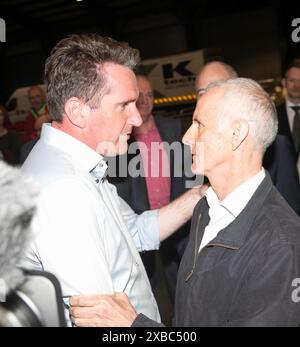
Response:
column 9, row 140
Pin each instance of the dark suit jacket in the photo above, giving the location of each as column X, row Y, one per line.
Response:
column 26, row 149
column 279, row 160
column 284, row 127
column 133, row 189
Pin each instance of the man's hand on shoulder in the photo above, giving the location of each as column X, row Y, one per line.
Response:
column 202, row 189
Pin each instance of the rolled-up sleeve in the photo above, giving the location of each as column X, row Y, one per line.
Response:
column 144, row 228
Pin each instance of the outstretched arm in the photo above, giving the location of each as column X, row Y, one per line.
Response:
column 172, row 216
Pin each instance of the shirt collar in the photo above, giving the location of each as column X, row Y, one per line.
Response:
column 39, row 112
column 239, row 198
column 236, row 201
column 289, row 104
column 212, row 198
column 87, row 158
column 234, row 235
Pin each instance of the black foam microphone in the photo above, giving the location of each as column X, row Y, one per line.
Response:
column 18, row 197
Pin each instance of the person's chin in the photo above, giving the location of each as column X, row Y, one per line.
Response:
column 122, row 145
column 197, row 169
column 121, row 148
column 107, row 149
column 194, row 169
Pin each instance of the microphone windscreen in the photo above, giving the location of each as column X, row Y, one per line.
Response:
column 18, row 197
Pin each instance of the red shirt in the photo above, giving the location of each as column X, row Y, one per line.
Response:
column 157, row 168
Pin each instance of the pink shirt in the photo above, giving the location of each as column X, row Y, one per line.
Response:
column 156, row 168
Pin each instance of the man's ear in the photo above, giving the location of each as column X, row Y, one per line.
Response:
column 77, row 112
column 239, row 133
column 283, row 82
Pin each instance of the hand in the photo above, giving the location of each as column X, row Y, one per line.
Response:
column 102, row 310
column 203, row 188
column 199, row 190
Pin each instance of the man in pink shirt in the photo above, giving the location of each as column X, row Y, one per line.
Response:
column 157, row 184
column 154, row 156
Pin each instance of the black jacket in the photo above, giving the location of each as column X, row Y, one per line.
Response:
column 284, row 127
column 280, row 161
column 247, row 275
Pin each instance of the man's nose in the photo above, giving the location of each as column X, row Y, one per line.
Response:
column 135, row 117
column 187, row 138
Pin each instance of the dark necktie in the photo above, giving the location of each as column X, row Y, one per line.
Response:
column 296, row 127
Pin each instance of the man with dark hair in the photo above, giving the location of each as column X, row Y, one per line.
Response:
column 289, row 111
column 86, row 235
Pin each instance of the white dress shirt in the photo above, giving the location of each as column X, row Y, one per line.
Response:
column 86, row 235
column 223, row 213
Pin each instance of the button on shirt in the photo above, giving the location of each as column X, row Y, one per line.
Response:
column 223, row 213
column 86, row 234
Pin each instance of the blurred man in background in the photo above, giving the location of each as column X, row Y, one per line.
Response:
column 38, row 114
column 289, row 111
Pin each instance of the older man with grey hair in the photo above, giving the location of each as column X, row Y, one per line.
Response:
column 241, row 264
column 279, row 157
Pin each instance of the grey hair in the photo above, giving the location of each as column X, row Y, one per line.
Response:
column 245, row 99
column 18, row 195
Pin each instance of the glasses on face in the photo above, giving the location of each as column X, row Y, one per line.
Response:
column 293, row 80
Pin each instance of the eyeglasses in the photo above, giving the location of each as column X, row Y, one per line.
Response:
column 293, row 80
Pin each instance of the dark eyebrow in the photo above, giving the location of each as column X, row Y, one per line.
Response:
column 126, row 102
